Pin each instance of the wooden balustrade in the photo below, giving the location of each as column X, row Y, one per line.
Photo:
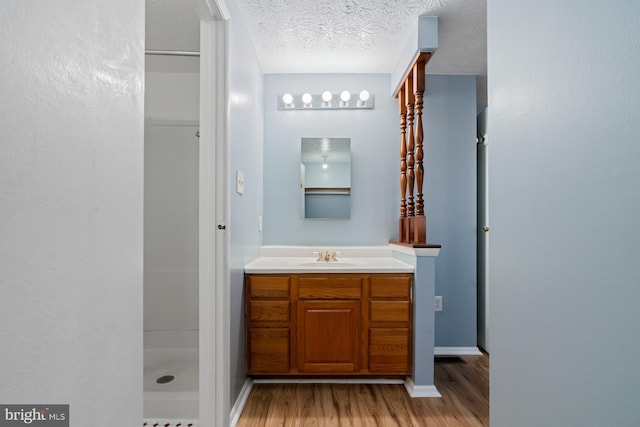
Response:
column 412, row 225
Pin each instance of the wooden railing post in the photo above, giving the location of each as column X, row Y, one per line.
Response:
column 403, row 163
column 420, row 222
column 409, row 99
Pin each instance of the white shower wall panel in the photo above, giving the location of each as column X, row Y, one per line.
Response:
column 171, row 196
column 171, row 225
column 171, row 300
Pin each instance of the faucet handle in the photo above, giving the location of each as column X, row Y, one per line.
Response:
column 318, row 254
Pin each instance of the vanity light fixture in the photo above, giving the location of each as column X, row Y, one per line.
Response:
column 306, row 100
column 363, row 97
column 287, row 99
column 327, row 100
column 344, row 98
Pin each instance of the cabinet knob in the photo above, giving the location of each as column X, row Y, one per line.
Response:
column 485, row 229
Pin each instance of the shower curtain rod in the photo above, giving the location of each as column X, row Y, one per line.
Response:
column 171, row 52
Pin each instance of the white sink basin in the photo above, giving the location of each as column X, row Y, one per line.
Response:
column 331, row 264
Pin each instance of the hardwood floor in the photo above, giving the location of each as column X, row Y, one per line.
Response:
column 465, row 401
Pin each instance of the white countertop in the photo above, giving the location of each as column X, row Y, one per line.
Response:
column 301, row 265
column 351, row 259
column 271, row 265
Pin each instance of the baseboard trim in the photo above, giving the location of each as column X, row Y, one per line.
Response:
column 327, row 381
column 236, row 411
column 421, row 390
column 457, row 351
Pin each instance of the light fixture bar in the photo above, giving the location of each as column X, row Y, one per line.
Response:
column 326, row 100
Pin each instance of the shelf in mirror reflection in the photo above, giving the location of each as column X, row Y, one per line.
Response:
column 325, row 178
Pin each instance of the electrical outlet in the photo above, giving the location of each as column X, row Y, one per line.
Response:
column 437, row 304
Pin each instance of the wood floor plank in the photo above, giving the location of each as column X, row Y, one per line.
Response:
column 347, row 413
column 426, row 412
column 464, row 403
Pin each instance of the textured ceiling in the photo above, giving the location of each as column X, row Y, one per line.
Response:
column 338, row 36
column 362, row 36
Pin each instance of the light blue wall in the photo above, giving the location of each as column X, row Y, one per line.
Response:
column 245, row 135
column 450, row 179
column 374, row 161
column 563, row 126
column 450, row 203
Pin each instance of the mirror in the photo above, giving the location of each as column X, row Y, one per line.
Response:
column 325, row 178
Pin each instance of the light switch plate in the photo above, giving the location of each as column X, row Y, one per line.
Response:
column 239, row 182
column 438, row 303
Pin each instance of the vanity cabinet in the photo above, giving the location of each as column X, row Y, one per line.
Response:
column 329, row 324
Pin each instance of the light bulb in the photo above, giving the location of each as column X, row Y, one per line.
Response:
column 364, row 95
column 324, row 166
column 345, row 96
column 306, row 98
column 326, row 96
column 287, row 98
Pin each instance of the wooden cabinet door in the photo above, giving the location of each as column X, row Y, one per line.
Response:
column 327, row 336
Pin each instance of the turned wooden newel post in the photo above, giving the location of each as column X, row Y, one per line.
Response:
column 420, row 221
column 409, row 99
column 403, row 164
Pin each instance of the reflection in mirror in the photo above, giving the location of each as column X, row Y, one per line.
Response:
column 325, row 178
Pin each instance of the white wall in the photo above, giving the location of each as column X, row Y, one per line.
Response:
column 71, row 186
column 172, row 95
column 563, row 125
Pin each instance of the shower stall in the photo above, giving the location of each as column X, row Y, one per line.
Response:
column 171, row 272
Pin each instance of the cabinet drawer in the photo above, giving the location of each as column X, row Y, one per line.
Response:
column 329, row 288
column 390, row 287
column 389, row 311
column 268, row 350
column 268, row 287
column 268, row 311
column 389, row 350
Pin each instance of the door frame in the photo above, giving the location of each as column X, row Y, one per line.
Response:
column 483, row 238
column 214, row 379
